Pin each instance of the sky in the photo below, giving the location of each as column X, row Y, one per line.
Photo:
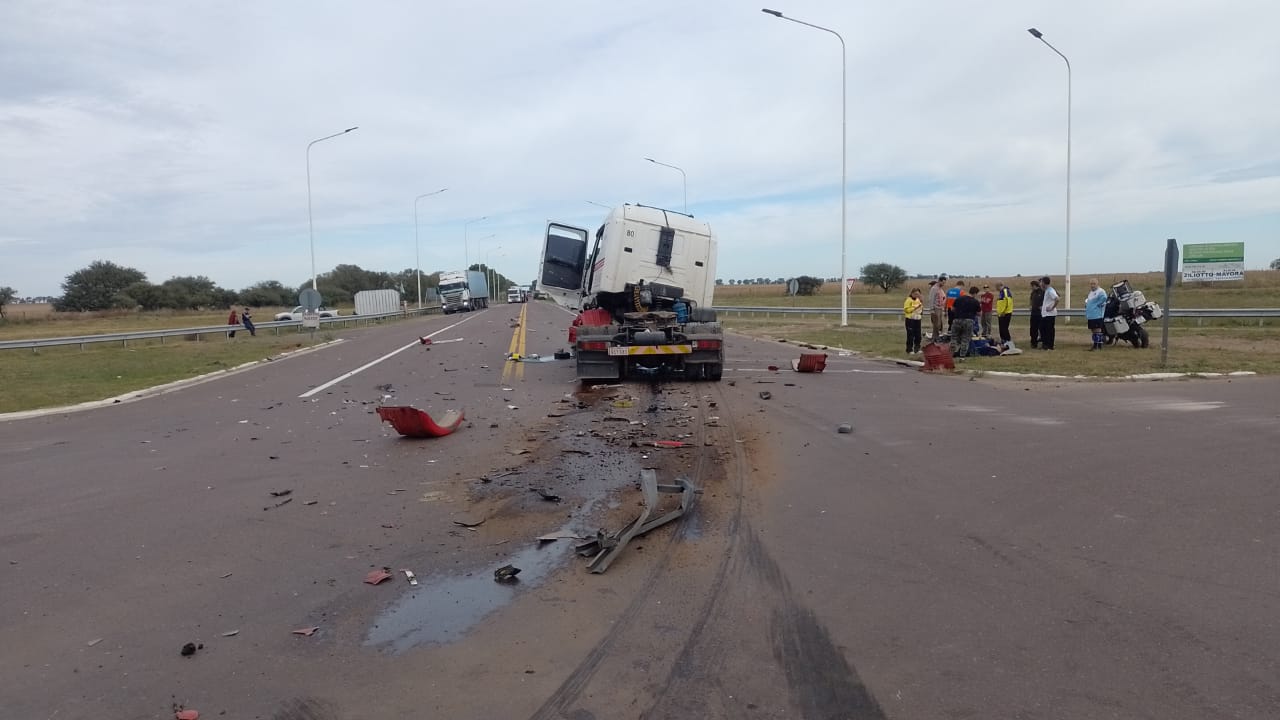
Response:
column 172, row 137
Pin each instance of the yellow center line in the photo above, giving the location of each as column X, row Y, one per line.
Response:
column 517, row 347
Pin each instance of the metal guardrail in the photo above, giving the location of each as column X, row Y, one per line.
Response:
column 1259, row 313
column 276, row 325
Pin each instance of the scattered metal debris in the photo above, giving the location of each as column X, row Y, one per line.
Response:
column 307, row 631
column 93, row 642
column 412, row 422
column 506, row 574
column 765, row 394
column 231, row 633
column 408, row 575
column 605, row 547
column 465, row 524
column 285, row 501
column 281, row 493
column 844, row 428
column 190, row 649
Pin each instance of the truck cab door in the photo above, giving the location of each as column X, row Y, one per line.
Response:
column 564, row 263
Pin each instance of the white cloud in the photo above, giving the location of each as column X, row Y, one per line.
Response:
column 172, row 136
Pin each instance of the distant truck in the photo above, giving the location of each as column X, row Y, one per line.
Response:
column 377, row 302
column 517, row 294
column 461, row 291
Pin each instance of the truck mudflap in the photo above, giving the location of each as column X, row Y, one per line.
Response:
column 625, row 350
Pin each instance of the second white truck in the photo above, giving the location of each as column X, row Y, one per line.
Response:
column 461, row 291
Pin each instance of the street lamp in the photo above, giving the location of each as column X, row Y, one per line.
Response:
column 685, row 181
column 844, row 135
column 483, row 258
column 1040, row 36
column 417, row 258
column 311, row 227
column 493, row 274
column 466, row 255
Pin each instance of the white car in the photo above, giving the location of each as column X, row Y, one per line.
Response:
column 296, row 313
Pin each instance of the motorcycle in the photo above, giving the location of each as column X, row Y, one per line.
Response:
column 1126, row 313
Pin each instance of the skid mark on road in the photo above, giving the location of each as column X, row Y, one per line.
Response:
column 366, row 366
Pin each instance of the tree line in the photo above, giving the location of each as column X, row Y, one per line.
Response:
column 104, row 285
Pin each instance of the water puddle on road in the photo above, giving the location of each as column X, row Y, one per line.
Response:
column 444, row 607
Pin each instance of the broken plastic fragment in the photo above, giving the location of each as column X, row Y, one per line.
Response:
column 187, row 715
column 307, row 631
column 408, row 574
column 378, row 576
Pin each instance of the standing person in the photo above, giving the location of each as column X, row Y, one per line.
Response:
column 912, row 313
column 232, row 321
column 1048, row 314
column 967, row 308
column 937, row 307
column 988, row 302
column 248, row 322
column 1095, row 304
column 1004, row 311
column 1037, row 300
column 952, row 295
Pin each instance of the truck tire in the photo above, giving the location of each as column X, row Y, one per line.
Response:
column 714, row 371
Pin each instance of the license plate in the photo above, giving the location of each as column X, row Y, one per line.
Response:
column 650, row 350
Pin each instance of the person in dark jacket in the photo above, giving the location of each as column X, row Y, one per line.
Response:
column 247, row 321
column 966, row 309
column 1037, row 299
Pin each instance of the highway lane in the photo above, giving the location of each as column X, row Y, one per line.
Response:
column 973, row 548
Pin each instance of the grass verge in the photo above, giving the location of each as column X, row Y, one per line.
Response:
column 1192, row 349
column 60, row 376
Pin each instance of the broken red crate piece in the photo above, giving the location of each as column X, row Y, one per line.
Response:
column 377, row 576
column 773, row 368
column 670, row 444
column 412, row 422
column 810, row 362
column 424, row 340
column 187, row 715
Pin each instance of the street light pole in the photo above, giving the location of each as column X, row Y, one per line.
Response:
column 466, row 255
column 684, row 179
column 484, row 261
column 311, row 227
column 844, row 155
column 1040, row 36
column 417, row 257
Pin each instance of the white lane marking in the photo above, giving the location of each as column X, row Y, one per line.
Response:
column 366, row 366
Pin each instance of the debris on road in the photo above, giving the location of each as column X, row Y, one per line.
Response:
column 376, row 577
column 670, row 444
column 311, row 502
column 465, row 524
column 412, row 422
column 765, row 394
column 844, row 428
column 281, row 493
column 562, row 355
column 424, row 340
column 285, row 501
column 307, row 631
column 605, row 547
column 773, row 368
column 623, row 403
column 93, row 642
column 560, row 535
column 546, row 495
column 186, row 715
column 506, row 574
column 190, row 649
column 810, row 363
column 231, row 633
column 225, row 576
column 385, row 387
column 408, row 574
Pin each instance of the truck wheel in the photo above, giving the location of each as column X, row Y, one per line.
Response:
column 714, row 371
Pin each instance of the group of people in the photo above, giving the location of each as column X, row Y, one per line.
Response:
column 245, row 319
column 968, row 313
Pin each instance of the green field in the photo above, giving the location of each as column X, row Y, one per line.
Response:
column 59, row 376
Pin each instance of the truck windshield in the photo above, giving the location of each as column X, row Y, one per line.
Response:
column 447, row 287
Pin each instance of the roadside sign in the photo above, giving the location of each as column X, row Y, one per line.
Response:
column 1212, row 262
column 311, row 319
column 848, row 285
column 793, row 286
column 310, row 299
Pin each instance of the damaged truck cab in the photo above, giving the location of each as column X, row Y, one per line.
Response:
column 643, row 289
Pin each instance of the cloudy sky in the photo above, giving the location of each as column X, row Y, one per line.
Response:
column 171, row 136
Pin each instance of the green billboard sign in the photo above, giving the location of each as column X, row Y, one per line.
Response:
column 1213, row 262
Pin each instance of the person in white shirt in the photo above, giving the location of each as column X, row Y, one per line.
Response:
column 1048, row 313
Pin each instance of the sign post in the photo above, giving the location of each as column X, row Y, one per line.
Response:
column 310, row 301
column 1171, row 269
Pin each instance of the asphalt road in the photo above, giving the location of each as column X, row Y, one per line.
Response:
column 985, row 549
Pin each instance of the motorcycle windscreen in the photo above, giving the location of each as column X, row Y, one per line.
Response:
column 564, row 256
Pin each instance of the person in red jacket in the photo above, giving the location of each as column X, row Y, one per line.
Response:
column 987, row 301
column 233, row 321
